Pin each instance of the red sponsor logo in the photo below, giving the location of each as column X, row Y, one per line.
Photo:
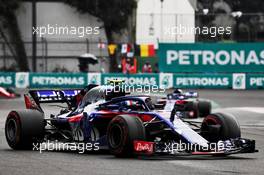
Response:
column 143, row 146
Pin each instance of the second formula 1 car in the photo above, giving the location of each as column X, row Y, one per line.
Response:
column 185, row 104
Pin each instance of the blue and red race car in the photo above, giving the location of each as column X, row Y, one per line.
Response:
column 185, row 104
column 127, row 125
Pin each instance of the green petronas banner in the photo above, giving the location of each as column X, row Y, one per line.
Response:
column 7, row 79
column 255, row 81
column 211, row 57
column 133, row 79
column 220, row 81
column 161, row 80
column 61, row 80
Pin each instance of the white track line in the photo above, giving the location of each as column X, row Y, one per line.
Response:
column 259, row 110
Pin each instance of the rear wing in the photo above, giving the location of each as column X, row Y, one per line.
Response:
column 54, row 96
column 191, row 94
column 59, row 95
column 183, row 96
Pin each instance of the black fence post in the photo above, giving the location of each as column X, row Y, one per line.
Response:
column 87, row 46
column 34, row 37
column 46, row 55
column 4, row 55
column 42, row 54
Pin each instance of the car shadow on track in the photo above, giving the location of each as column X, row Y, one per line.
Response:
column 196, row 158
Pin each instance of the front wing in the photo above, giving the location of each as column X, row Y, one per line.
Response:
column 232, row 146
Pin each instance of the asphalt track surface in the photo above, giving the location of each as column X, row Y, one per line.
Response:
column 247, row 106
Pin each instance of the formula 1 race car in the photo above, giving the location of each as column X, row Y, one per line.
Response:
column 127, row 125
column 185, row 104
column 8, row 93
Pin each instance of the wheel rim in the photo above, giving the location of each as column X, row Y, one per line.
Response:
column 116, row 136
column 211, row 120
column 11, row 129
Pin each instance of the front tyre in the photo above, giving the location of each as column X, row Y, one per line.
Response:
column 220, row 126
column 23, row 128
column 122, row 131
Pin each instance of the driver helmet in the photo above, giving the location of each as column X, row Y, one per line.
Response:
column 178, row 91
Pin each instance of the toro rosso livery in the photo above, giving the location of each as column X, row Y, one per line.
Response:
column 126, row 125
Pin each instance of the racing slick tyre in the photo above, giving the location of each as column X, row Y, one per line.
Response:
column 204, row 108
column 193, row 109
column 121, row 133
column 220, row 126
column 23, row 128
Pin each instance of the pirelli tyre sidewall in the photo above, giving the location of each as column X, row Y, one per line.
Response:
column 23, row 128
column 121, row 133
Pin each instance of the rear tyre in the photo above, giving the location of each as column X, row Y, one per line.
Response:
column 23, row 128
column 192, row 106
column 220, row 126
column 121, row 133
column 204, row 108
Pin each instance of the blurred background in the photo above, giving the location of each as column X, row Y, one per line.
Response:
column 130, row 32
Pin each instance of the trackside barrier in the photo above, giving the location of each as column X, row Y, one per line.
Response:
column 161, row 80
